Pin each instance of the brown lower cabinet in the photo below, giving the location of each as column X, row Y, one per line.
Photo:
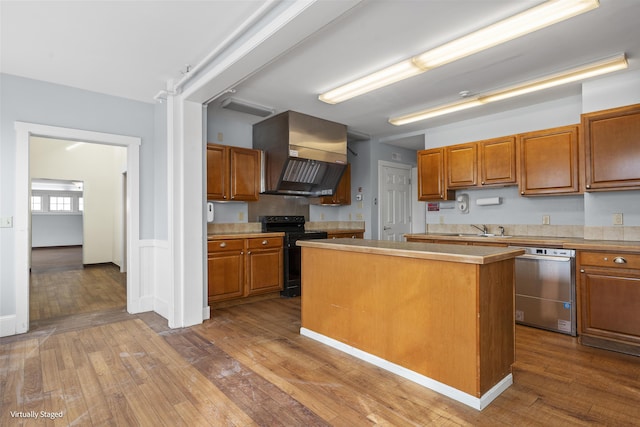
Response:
column 609, row 295
column 345, row 235
column 239, row 268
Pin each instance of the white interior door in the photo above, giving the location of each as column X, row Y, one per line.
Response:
column 394, row 200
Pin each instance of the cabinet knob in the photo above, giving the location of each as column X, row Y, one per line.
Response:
column 581, row 270
column 248, row 253
column 588, row 186
column 619, row 260
column 522, row 192
column 223, row 244
column 482, row 183
column 264, row 242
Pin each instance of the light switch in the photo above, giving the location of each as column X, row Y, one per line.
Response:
column 6, row 222
column 546, row 219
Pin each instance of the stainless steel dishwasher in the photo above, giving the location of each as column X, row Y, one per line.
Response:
column 546, row 290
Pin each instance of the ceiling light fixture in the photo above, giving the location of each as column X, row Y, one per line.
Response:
column 584, row 72
column 536, row 18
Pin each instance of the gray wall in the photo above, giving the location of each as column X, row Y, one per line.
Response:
column 44, row 103
column 56, row 230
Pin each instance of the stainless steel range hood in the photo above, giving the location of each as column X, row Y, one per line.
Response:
column 302, row 155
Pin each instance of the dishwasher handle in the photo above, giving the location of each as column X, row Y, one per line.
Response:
column 545, row 257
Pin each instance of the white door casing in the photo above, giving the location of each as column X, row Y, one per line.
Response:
column 394, row 195
column 24, row 131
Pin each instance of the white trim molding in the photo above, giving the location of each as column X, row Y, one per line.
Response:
column 24, row 131
column 430, row 383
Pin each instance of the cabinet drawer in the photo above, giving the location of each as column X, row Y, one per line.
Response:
column 266, row 242
column 349, row 235
column 610, row 259
column 225, row 245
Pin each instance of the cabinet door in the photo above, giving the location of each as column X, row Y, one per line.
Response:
column 497, row 161
column 225, row 266
column 245, row 174
column 612, row 148
column 462, row 163
column 610, row 302
column 431, row 177
column 264, row 265
column 549, row 161
column 342, row 195
column 217, row 172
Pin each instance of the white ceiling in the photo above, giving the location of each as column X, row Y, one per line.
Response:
column 131, row 48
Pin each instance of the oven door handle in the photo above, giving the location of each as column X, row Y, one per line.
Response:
column 545, row 257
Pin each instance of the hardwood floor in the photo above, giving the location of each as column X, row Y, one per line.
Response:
column 57, row 258
column 61, row 286
column 248, row 365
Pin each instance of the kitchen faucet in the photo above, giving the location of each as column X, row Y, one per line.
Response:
column 483, row 229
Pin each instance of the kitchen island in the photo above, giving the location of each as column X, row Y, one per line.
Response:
column 439, row 315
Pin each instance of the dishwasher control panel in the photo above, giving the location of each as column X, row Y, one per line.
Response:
column 548, row 251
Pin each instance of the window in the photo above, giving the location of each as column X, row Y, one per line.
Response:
column 36, row 203
column 60, row 203
column 80, row 204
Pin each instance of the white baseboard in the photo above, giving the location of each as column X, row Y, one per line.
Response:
column 437, row 386
column 7, row 325
column 206, row 313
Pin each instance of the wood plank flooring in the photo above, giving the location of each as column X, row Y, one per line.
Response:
column 60, row 286
column 248, row 365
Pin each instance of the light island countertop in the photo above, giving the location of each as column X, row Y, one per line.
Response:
column 560, row 242
column 429, row 251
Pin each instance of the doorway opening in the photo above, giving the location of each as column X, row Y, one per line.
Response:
column 76, row 220
column 26, row 132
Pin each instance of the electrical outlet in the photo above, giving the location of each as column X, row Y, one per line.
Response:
column 240, row 216
column 441, row 219
column 359, row 217
column 546, row 220
column 617, row 219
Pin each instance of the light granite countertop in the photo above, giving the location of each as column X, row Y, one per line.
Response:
column 428, row 251
column 559, row 242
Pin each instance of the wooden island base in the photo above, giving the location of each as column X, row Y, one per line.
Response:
column 439, row 315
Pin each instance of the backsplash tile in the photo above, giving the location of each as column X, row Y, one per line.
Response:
column 538, row 230
column 240, row 227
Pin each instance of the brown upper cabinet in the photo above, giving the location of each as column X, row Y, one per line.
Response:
column 462, row 165
column 497, row 161
column 432, row 184
column 342, row 195
column 549, row 161
column 612, row 148
column 233, row 173
column 491, row 162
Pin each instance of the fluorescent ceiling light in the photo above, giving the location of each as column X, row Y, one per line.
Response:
column 548, row 13
column 385, row 77
column 580, row 73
